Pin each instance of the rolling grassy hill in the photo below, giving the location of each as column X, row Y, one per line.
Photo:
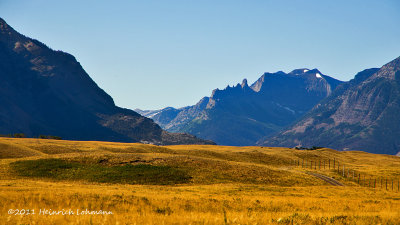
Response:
column 198, row 184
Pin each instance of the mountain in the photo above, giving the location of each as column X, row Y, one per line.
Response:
column 162, row 116
column 48, row 92
column 362, row 114
column 242, row 114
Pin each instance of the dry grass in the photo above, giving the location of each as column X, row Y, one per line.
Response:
column 9, row 150
column 229, row 185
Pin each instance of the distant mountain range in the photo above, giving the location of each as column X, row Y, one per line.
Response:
column 48, row 92
column 302, row 108
column 242, row 115
column 363, row 114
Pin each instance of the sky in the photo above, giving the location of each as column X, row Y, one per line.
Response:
column 153, row 54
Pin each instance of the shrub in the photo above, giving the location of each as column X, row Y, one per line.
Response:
column 19, row 135
column 49, row 137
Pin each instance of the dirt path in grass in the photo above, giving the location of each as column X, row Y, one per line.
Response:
column 326, row 179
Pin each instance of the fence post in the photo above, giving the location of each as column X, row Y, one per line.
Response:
column 381, row 181
column 343, row 171
column 329, row 163
column 392, row 184
column 358, row 179
column 375, row 183
column 315, row 165
column 386, row 183
column 353, row 175
column 334, row 163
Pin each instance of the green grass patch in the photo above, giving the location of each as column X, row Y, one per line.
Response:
column 59, row 169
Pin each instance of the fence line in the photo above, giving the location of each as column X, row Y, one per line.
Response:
column 386, row 182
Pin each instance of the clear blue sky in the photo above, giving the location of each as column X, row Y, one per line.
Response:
column 152, row 54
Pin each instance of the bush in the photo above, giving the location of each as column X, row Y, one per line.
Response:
column 49, row 137
column 19, row 135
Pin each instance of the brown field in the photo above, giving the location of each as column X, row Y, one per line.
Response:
column 204, row 185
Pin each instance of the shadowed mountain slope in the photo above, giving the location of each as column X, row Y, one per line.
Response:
column 48, row 92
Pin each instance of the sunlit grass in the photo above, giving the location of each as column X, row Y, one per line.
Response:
column 222, row 185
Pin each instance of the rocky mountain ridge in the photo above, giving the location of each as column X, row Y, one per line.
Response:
column 362, row 114
column 242, row 114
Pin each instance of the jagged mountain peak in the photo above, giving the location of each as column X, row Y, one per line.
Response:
column 244, row 83
column 299, row 71
column 241, row 115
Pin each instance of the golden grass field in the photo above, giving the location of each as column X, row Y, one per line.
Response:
column 227, row 185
